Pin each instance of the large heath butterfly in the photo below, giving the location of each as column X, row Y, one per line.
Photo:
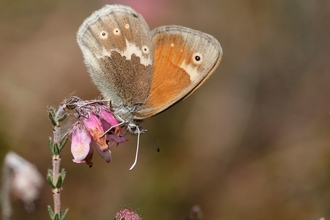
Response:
column 143, row 72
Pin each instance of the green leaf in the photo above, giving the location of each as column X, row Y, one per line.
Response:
column 51, row 144
column 64, row 214
column 63, row 174
column 56, row 217
column 50, row 178
column 59, row 181
column 51, row 115
column 62, row 143
column 52, row 112
column 64, row 116
column 56, row 149
column 50, row 172
column 50, row 212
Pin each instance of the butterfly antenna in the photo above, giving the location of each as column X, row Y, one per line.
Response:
column 137, row 148
column 153, row 140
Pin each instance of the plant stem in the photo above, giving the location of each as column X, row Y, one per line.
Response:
column 56, row 162
column 56, row 191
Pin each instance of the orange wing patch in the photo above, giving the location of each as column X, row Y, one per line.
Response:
column 168, row 78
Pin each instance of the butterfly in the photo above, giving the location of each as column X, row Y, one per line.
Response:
column 143, row 72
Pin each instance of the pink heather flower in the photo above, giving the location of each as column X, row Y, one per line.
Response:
column 81, row 145
column 118, row 136
column 108, row 117
column 126, row 214
column 88, row 133
column 106, row 154
column 94, row 126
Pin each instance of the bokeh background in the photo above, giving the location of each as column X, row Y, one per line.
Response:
column 252, row 143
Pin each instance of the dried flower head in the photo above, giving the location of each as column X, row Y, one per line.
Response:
column 22, row 179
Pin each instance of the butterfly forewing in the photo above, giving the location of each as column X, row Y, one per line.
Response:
column 117, row 47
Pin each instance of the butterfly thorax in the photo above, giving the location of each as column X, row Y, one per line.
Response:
column 124, row 114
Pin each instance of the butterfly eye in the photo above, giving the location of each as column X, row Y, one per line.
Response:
column 197, row 58
column 145, row 49
column 116, row 31
column 104, row 35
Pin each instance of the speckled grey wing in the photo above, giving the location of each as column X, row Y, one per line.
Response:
column 116, row 45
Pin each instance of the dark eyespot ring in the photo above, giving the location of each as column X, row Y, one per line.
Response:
column 103, row 34
column 197, row 58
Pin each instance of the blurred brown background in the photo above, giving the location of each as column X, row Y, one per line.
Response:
column 252, row 143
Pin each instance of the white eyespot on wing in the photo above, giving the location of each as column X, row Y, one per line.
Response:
column 126, row 26
column 104, row 35
column 116, row 31
column 145, row 49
